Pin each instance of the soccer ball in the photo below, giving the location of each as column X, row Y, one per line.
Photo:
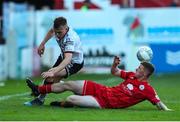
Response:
column 144, row 53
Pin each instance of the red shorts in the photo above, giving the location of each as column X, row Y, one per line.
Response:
column 106, row 97
column 96, row 90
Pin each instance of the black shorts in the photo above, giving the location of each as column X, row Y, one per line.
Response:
column 71, row 68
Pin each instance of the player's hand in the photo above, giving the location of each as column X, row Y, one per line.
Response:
column 47, row 74
column 116, row 61
column 41, row 49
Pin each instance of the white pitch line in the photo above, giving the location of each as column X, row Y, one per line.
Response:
column 13, row 95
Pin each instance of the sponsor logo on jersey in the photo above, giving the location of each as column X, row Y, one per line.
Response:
column 141, row 87
column 130, row 86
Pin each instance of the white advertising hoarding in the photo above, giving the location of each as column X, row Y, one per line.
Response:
column 3, row 63
column 117, row 31
column 105, row 33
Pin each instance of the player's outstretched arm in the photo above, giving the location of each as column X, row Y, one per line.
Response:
column 49, row 35
column 161, row 106
column 114, row 69
column 41, row 47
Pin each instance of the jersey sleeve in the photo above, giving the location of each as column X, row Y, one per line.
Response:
column 125, row 75
column 152, row 96
column 69, row 45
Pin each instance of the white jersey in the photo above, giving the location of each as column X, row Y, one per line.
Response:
column 71, row 43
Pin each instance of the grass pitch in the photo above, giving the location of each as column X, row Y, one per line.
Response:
column 15, row 93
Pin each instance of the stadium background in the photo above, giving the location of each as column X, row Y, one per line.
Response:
column 106, row 28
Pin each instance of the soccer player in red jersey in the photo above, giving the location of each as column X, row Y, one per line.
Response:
column 134, row 89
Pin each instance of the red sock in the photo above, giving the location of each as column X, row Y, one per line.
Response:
column 44, row 89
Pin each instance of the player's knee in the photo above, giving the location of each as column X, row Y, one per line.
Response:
column 48, row 81
column 68, row 85
column 56, row 87
column 72, row 99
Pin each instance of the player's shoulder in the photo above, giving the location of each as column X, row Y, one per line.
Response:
column 148, row 86
column 72, row 32
column 72, row 35
column 130, row 73
column 127, row 74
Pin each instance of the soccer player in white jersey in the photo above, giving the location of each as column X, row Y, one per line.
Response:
column 70, row 60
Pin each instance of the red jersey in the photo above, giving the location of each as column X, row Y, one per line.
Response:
column 127, row 93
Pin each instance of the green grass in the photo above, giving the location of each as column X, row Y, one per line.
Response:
column 167, row 87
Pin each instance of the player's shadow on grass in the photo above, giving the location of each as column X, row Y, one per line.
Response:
column 140, row 109
column 133, row 109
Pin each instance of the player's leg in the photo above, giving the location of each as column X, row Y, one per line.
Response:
column 62, row 74
column 83, row 101
column 41, row 98
column 74, row 86
column 70, row 69
column 88, row 89
column 76, row 100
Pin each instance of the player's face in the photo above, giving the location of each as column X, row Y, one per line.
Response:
column 140, row 72
column 60, row 32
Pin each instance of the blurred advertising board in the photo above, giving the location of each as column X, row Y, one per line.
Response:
column 166, row 57
column 153, row 26
column 3, row 63
column 103, row 33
